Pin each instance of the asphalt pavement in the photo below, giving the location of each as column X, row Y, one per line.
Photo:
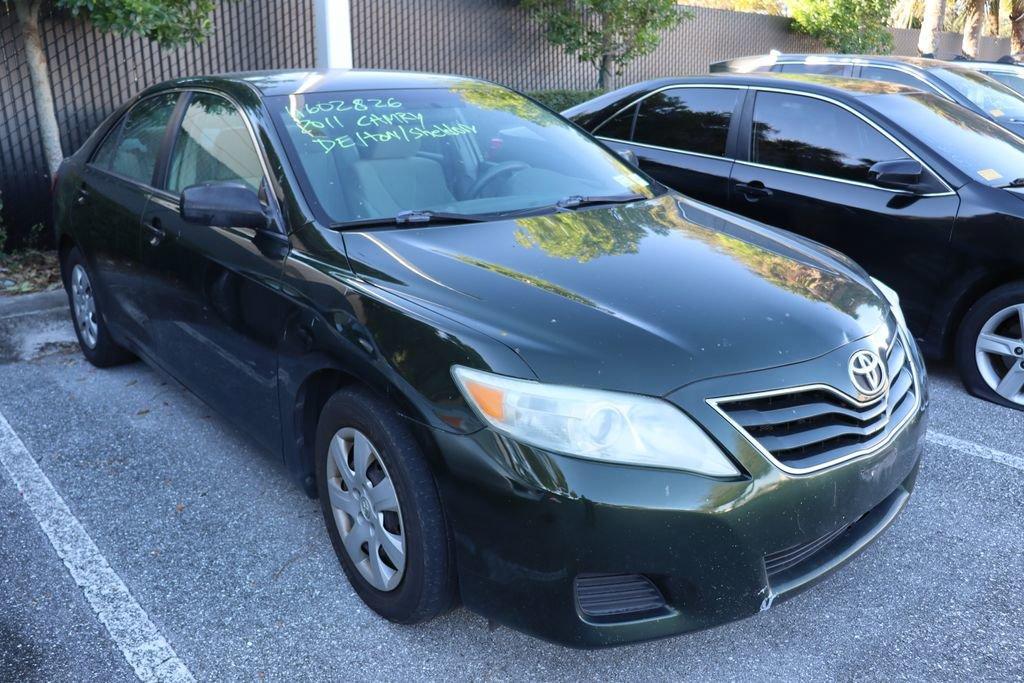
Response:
column 143, row 537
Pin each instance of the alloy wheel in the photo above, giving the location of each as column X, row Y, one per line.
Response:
column 1000, row 353
column 366, row 509
column 85, row 306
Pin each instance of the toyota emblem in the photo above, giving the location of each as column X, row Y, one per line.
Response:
column 867, row 372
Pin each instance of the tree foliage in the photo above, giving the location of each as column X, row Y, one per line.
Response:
column 168, row 22
column 772, row 7
column 852, row 26
column 560, row 100
column 491, row 96
column 606, row 33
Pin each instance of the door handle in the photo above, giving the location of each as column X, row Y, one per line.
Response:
column 754, row 190
column 156, row 232
column 82, row 198
column 306, row 332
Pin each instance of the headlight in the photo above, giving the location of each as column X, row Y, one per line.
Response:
column 599, row 425
column 894, row 301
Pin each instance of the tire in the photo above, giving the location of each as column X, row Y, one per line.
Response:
column 98, row 347
column 424, row 586
column 993, row 370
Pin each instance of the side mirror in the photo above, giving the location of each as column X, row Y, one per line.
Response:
column 223, row 205
column 902, row 174
column 629, row 156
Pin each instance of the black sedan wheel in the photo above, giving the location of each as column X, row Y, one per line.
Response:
column 990, row 347
column 97, row 345
column 365, row 508
column 382, row 509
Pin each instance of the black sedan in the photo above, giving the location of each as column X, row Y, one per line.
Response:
column 925, row 194
column 956, row 81
column 515, row 371
column 1009, row 73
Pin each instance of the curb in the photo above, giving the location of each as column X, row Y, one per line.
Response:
column 27, row 304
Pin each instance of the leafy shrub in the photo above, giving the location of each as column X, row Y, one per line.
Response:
column 560, row 100
column 37, row 236
column 852, row 26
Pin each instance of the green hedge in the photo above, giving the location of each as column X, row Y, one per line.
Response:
column 560, row 100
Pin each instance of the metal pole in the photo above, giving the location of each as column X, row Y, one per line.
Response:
column 333, row 19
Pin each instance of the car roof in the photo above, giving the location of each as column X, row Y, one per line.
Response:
column 989, row 66
column 921, row 63
column 291, row 82
column 845, row 90
column 833, row 86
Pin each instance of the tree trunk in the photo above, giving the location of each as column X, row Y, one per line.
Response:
column 39, row 75
column 992, row 18
column 931, row 25
column 1017, row 27
column 604, row 66
column 975, row 12
column 604, row 72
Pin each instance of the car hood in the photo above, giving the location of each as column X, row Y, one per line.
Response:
column 644, row 297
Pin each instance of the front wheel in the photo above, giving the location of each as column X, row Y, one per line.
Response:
column 382, row 509
column 990, row 347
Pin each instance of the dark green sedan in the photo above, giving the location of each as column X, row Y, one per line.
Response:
column 517, row 373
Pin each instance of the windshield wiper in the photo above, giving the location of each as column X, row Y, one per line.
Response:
column 423, row 217
column 575, row 201
column 1016, row 182
column 414, row 218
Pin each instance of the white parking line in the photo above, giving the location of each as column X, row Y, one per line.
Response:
column 977, row 450
column 145, row 649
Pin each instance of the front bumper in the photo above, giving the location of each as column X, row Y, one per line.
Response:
column 527, row 524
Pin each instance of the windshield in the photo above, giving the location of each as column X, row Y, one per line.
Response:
column 978, row 147
column 995, row 99
column 1013, row 81
column 475, row 149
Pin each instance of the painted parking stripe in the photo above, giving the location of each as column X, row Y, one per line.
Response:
column 976, row 450
column 145, row 649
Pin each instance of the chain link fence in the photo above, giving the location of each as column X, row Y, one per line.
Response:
column 497, row 40
column 92, row 73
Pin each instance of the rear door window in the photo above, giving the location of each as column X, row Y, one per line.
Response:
column 132, row 148
column 687, row 119
column 799, row 133
column 104, row 157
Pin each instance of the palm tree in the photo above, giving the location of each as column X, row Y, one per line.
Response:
column 992, row 18
column 931, row 26
column 1016, row 27
column 904, row 13
column 973, row 15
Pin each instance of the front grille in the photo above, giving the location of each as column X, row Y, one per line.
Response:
column 617, row 596
column 809, row 428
